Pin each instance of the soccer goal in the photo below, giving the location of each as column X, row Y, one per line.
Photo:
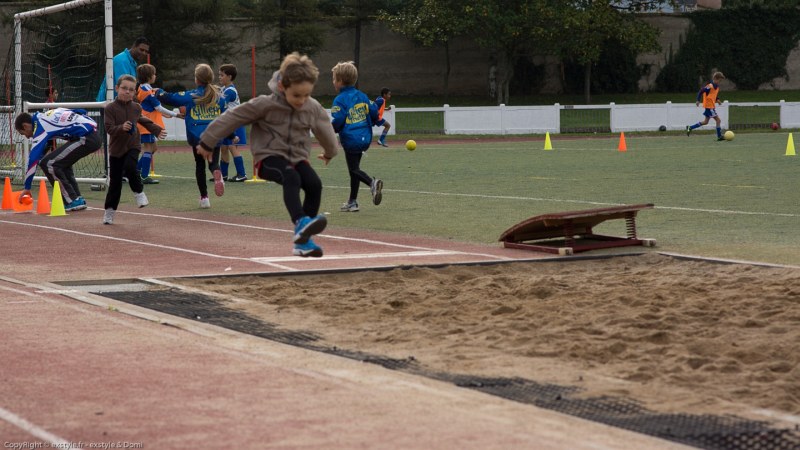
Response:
column 61, row 54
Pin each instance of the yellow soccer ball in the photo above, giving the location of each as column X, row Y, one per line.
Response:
column 411, row 145
column 728, row 136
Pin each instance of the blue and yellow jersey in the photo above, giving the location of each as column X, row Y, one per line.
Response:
column 56, row 123
column 708, row 95
column 146, row 96
column 197, row 116
column 353, row 117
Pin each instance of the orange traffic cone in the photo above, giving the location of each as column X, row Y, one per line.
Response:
column 18, row 206
column 43, row 204
column 7, row 202
column 622, row 146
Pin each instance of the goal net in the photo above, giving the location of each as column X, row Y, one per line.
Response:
column 58, row 59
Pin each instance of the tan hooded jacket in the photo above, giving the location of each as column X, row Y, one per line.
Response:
column 277, row 128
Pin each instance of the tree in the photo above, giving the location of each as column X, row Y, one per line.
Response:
column 587, row 26
column 510, row 29
column 285, row 25
column 430, row 23
column 180, row 32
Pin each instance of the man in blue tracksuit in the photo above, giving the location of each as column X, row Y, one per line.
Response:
column 78, row 129
column 353, row 117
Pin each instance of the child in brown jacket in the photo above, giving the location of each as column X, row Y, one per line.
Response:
column 121, row 117
column 281, row 144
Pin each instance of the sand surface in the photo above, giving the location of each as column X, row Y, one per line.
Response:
column 676, row 335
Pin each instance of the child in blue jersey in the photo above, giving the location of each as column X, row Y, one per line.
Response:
column 230, row 147
column 353, row 117
column 708, row 96
column 78, row 129
column 203, row 104
column 382, row 103
column 152, row 109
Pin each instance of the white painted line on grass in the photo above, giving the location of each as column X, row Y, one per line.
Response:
column 32, row 429
column 582, row 202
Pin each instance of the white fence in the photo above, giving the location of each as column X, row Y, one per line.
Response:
column 554, row 119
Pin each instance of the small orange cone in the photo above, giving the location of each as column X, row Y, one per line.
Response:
column 622, row 146
column 43, row 204
column 17, row 206
column 7, row 202
column 57, row 207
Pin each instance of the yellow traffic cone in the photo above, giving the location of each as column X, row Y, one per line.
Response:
column 790, row 146
column 57, row 205
column 547, row 144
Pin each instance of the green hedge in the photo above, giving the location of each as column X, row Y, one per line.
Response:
column 750, row 45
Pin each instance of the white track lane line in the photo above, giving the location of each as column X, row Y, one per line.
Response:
column 358, row 256
column 146, row 244
column 328, row 236
column 32, row 429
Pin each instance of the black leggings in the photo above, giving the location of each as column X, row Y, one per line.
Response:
column 200, row 169
column 294, row 178
column 57, row 165
column 357, row 175
column 123, row 166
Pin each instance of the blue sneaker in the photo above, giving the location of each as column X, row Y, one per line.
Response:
column 308, row 226
column 307, row 249
column 76, row 205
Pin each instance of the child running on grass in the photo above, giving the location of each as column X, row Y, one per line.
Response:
column 203, row 104
column 382, row 103
column 122, row 119
column 708, row 96
column 353, row 118
column 281, row 144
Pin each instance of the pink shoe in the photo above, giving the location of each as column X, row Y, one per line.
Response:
column 219, row 185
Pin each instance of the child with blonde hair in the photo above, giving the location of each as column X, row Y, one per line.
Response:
column 353, row 117
column 203, row 104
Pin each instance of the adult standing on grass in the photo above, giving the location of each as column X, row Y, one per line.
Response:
column 121, row 119
column 125, row 63
column 708, row 97
column 281, row 143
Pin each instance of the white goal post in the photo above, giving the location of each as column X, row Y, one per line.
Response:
column 36, row 67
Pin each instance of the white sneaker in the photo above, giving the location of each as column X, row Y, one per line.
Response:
column 141, row 200
column 205, row 203
column 108, row 216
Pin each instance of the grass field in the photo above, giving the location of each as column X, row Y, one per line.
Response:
column 735, row 199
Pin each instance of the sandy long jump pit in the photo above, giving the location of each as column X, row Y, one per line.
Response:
column 699, row 352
